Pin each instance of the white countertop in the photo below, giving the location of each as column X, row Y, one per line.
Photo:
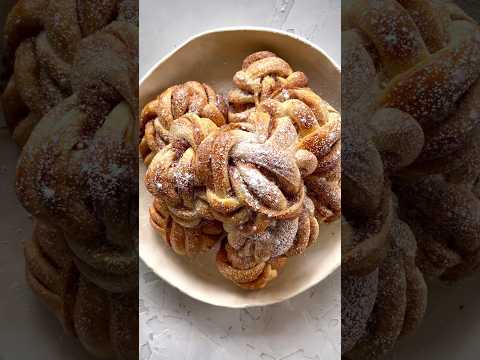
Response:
column 174, row 326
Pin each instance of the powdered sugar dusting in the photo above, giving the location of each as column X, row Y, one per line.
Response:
column 358, row 299
column 48, row 193
column 267, row 192
column 276, row 240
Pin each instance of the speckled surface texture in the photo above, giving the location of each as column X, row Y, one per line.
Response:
column 27, row 329
column 174, row 326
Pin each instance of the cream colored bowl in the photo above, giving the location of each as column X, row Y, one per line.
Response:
column 213, row 57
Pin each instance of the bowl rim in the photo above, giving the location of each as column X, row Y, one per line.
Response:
column 232, row 29
column 241, row 304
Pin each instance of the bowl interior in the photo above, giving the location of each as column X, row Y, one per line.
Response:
column 214, row 58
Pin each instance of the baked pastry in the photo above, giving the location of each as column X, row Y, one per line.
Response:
column 358, row 300
column 377, row 143
column 386, row 304
column 252, row 257
column 263, row 76
column 267, row 83
column 41, row 40
column 368, row 161
column 445, row 218
column 77, row 169
column 105, row 323
column 157, row 116
column 71, row 102
column 243, row 180
column 438, row 55
column 179, row 213
column 428, row 56
column 409, row 96
column 189, row 241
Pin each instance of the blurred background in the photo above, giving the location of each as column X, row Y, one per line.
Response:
column 450, row 327
column 27, row 329
column 174, row 326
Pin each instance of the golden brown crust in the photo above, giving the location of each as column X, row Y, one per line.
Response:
column 366, row 246
column 184, row 240
column 253, row 278
column 400, row 298
column 430, row 47
column 159, row 114
column 441, row 80
column 91, row 203
column 246, row 172
column 42, row 39
column 326, row 195
column 74, row 64
column 410, row 89
column 264, row 75
column 95, row 316
column 445, row 219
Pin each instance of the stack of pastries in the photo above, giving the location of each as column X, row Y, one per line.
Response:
column 411, row 208
column 255, row 172
column 71, row 104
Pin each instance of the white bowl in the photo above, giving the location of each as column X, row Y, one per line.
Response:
column 213, row 57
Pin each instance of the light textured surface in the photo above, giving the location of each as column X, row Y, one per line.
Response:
column 174, row 326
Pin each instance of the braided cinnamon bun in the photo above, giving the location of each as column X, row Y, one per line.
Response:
column 41, row 42
column 409, row 92
column 426, row 55
column 386, row 304
column 427, row 73
column 258, row 181
column 71, row 103
column 184, row 240
column 267, row 83
column 158, row 115
column 445, row 218
column 263, row 76
column 77, row 169
column 97, row 317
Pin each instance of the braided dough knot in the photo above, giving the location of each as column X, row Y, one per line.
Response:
column 316, row 121
column 42, row 36
column 445, row 218
column 158, row 115
column 411, row 94
column 242, row 181
column 386, row 304
column 246, row 165
column 280, row 237
column 266, row 83
column 427, row 58
column 171, row 173
column 252, row 255
column 180, row 235
column 264, row 74
column 77, row 168
column 95, row 316
column 256, row 277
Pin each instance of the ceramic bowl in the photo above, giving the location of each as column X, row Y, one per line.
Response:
column 213, row 57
